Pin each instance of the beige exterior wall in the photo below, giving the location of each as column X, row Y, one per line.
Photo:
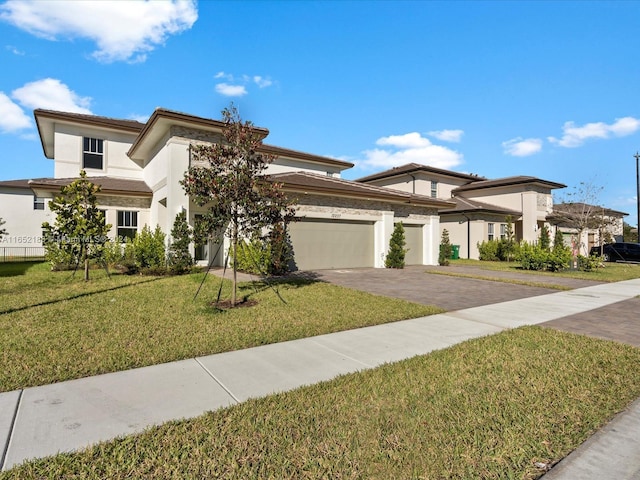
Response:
column 68, row 153
column 22, row 223
column 420, row 183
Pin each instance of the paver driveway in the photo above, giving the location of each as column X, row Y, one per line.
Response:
column 619, row 321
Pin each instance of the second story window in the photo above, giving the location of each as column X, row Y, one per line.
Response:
column 92, row 153
column 434, row 189
column 38, row 203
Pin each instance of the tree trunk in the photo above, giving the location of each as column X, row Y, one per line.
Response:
column 86, row 265
column 235, row 253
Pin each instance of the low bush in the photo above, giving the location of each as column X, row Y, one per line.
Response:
column 489, row 250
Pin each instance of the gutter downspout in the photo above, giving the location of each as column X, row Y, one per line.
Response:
column 468, row 235
column 414, row 183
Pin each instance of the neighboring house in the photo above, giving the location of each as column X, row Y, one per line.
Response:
column 481, row 205
column 584, row 225
column 342, row 224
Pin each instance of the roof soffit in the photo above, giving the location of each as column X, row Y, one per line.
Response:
column 46, row 121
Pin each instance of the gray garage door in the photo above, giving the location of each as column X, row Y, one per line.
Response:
column 413, row 237
column 319, row 244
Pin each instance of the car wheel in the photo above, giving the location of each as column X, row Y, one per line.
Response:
column 606, row 257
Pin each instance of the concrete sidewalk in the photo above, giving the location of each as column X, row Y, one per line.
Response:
column 66, row 416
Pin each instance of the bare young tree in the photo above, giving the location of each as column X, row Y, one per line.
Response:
column 581, row 211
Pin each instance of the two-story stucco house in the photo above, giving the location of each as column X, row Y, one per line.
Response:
column 342, row 224
column 481, row 205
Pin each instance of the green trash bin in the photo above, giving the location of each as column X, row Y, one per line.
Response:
column 455, row 252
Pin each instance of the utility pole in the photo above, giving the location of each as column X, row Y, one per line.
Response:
column 637, row 157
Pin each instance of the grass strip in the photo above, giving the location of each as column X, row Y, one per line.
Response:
column 514, row 281
column 145, row 323
column 611, row 272
column 487, row 408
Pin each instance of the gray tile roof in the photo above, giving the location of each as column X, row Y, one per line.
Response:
column 508, row 181
column 417, row 167
column 315, row 183
column 107, row 184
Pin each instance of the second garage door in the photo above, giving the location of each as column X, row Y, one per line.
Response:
column 413, row 238
column 319, row 244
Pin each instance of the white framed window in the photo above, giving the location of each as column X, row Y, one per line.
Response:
column 490, row 231
column 434, row 189
column 127, row 224
column 92, row 153
column 38, row 203
column 503, row 231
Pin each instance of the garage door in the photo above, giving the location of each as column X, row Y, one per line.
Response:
column 413, row 239
column 319, row 244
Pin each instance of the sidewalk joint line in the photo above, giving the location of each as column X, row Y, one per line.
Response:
column 5, row 451
column 342, row 354
column 217, row 381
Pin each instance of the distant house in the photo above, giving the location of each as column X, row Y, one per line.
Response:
column 584, row 225
column 341, row 223
column 482, row 205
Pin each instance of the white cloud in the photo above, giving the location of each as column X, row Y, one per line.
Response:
column 236, row 85
column 14, row 50
column 408, row 140
column 410, row 148
column 521, row 147
column 51, row 94
column 447, row 135
column 575, row 136
column 231, row 90
column 262, row 82
column 12, row 118
column 122, row 30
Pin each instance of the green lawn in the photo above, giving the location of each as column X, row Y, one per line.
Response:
column 611, row 272
column 487, row 408
column 55, row 327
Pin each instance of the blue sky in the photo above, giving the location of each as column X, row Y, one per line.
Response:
column 548, row 89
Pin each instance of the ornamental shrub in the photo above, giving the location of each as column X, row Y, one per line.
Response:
column 489, row 250
column 446, row 250
column 280, row 250
column 179, row 259
column 251, row 257
column 397, row 250
column 149, row 249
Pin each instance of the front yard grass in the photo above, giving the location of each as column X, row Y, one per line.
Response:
column 611, row 272
column 55, row 327
column 492, row 407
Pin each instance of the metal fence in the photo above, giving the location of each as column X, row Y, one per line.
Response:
column 21, row 254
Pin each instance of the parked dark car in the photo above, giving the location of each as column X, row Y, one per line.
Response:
column 622, row 251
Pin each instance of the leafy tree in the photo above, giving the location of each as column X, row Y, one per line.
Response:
column 2, row 230
column 229, row 179
column 397, row 250
column 445, row 248
column 179, row 259
column 79, row 230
